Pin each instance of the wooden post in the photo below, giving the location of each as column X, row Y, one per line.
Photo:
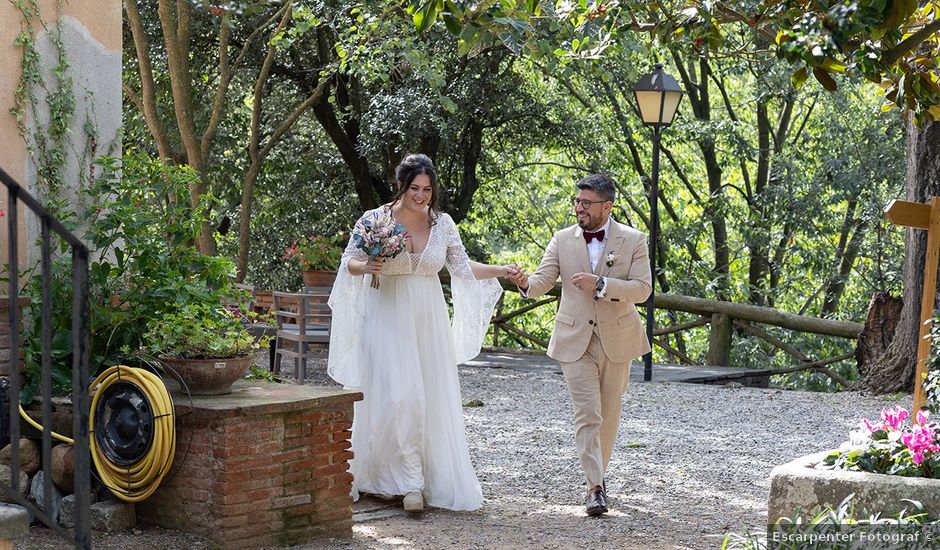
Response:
column 719, row 341
column 922, row 216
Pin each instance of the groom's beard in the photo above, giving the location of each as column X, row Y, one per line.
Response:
column 589, row 222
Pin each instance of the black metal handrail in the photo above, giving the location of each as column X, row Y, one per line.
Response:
column 81, row 537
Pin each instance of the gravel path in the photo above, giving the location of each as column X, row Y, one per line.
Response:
column 691, row 464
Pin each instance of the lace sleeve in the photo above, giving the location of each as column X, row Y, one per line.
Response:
column 474, row 300
column 347, row 316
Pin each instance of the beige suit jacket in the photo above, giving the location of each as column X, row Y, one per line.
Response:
column 621, row 333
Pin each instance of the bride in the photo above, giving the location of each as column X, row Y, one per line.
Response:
column 397, row 345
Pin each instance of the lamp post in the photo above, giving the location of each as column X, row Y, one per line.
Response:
column 657, row 98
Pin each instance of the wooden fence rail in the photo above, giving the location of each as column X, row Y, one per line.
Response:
column 722, row 317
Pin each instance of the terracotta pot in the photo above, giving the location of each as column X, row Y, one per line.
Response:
column 209, row 376
column 319, row 278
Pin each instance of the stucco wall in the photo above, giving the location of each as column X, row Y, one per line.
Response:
column 91, row 32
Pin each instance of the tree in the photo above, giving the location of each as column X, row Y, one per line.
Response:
column 199, row 96
column 895, row 370
column 895, row 44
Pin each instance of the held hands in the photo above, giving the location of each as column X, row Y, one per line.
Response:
column 518, row 277
column 508, row 271
column 585, row 282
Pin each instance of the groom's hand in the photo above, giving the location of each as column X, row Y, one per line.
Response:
column 585, row 281
column 520, row 279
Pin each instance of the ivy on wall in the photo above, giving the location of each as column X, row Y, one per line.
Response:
column 50, row 143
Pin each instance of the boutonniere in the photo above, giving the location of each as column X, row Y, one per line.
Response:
column 610, row 259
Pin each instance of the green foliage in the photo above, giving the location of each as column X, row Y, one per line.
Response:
column 258, row 373
column 932, row 380
column 143, row 265
column 199, row 331
column 932, row 391
column 867, row 38
column 828, row 523
column 895, row 42
column 510, row 136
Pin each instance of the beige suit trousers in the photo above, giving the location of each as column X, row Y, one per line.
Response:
column 596, row 386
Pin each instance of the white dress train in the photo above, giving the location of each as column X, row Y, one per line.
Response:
column 397, row 345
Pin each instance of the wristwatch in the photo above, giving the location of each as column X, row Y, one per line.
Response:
column 599, row 285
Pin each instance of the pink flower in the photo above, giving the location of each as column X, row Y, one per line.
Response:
column 894, row 417
column 922, row 417
column 872, row 428
column 919, row 441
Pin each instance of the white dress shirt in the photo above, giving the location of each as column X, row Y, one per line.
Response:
column 595, row 249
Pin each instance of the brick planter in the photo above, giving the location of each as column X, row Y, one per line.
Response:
column 266, row 466
column 799, row 488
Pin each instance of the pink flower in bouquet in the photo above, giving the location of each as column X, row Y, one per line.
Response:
column 379, row 235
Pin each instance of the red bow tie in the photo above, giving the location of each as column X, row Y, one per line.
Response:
column 599, row 235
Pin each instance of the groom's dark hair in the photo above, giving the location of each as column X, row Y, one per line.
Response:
column 600, row 184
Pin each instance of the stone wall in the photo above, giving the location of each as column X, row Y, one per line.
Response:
column 264, row 466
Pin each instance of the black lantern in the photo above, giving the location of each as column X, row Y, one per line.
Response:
column 657, row 99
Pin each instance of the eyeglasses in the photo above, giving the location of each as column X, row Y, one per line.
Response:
column 584, row 203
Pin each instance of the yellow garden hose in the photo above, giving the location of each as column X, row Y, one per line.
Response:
column 139, row 480
column 38, row 426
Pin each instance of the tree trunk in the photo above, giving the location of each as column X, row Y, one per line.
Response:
column 894, row 371
column 714, row 210
column 884, row 311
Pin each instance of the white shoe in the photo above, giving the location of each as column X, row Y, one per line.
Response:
column 414, row 502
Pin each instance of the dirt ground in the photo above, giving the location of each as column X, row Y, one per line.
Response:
column 692, row 463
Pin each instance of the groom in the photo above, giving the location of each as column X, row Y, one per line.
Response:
column 605, row 270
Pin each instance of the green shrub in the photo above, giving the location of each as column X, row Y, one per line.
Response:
column 140, row 227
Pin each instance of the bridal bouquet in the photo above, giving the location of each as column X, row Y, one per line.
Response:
column 379, row 235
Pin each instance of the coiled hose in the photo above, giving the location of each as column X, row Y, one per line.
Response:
column 137, row 481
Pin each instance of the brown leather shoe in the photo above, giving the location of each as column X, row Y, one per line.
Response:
column 596, row 504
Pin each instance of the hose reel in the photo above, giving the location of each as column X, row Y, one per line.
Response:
column 132, row 431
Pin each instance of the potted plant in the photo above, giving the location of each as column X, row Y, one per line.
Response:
column 318, row 257
column 207, row 345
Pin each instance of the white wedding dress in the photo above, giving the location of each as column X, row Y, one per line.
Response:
column 397, row 345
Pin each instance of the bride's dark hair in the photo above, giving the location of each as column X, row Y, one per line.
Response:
column 411, row 167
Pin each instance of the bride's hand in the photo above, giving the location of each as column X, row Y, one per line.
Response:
column 374, row 265
column 509, row 271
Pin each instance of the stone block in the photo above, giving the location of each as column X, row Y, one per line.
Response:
column 113, row 516
column 67, row 510
column 799, row 488
column 63, row 467
column 36, row 495
column 29, row 455
column 14, row 521
column 6, row 478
